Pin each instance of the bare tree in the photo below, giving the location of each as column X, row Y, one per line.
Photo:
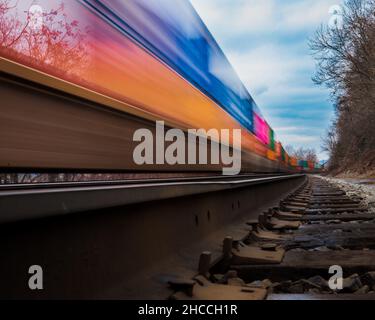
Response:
column 345, row 58
column 302, row 153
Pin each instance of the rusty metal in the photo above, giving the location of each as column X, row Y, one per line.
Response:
column 344, row 235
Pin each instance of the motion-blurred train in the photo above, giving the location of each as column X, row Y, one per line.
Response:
column 155, row 56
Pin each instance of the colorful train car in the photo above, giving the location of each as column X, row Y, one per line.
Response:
column 153, row 55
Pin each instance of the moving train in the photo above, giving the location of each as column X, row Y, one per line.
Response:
column 157, row 56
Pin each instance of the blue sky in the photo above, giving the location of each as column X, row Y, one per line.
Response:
column 267, row 43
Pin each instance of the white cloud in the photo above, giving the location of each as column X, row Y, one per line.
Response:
column 287, row 129
column 262, row 16
column 238, row 16
column 269, row 65
column 254, row 16
column 297, row 138
column 307, row 13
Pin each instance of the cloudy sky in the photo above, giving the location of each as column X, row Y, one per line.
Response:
column 267, row 43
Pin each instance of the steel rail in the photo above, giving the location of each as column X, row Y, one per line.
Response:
column 29, row 203
column 42, row 185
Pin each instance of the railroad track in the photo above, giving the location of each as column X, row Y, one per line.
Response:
column 289, row 250
column 269, row 237
column 124, row 239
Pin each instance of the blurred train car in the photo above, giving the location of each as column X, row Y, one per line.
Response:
column 157, row 57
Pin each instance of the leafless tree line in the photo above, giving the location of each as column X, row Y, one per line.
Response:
column 20, row 178
column 9, row 178
column 308, row 154
column 345, row 57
